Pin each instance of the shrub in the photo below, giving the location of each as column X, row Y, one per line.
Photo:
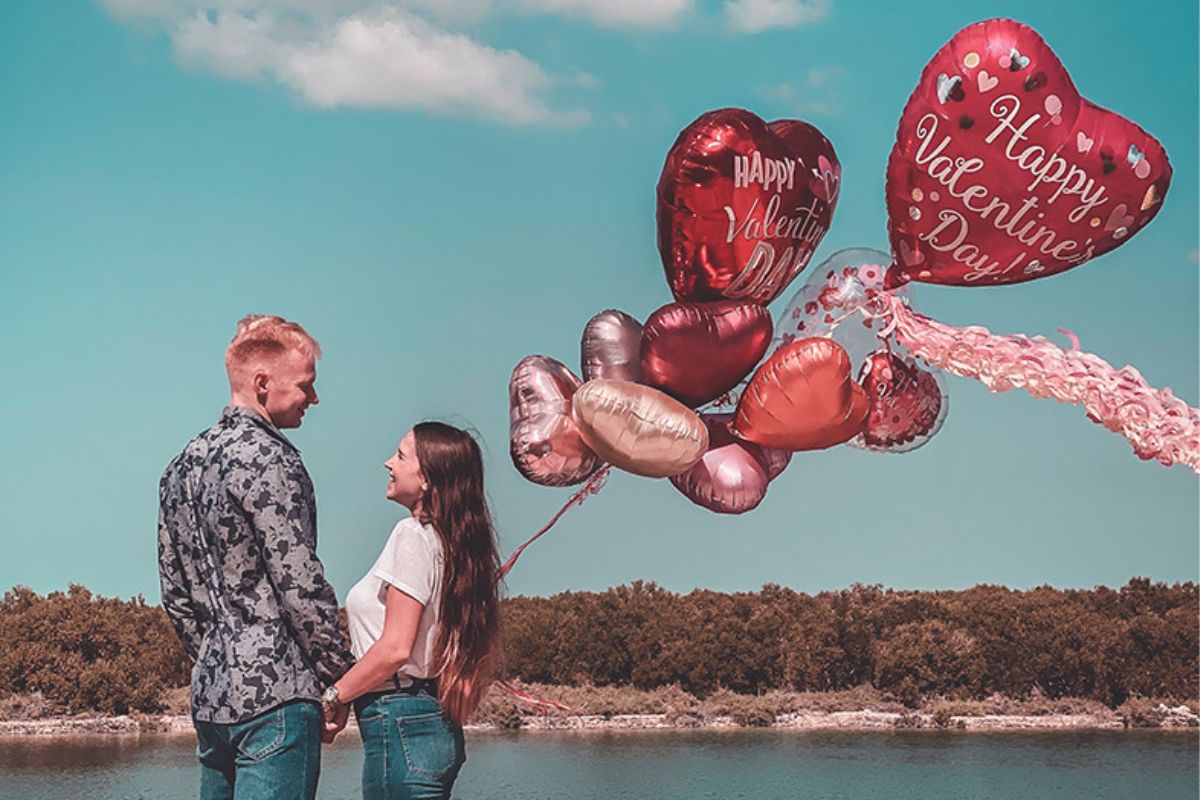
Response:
column 1141, row 712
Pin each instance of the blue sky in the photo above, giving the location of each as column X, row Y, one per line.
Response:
column 439, row 189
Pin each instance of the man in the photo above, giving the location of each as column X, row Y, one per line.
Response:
column 240, row 577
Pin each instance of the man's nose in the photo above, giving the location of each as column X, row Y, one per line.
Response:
column 315, row 400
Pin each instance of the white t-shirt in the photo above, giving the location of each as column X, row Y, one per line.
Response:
column 412, row 562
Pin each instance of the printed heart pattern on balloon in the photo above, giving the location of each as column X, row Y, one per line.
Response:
column 906, row 401
column 1023, row 191
column 742, row 205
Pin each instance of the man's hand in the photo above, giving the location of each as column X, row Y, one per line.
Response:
column 333, row 719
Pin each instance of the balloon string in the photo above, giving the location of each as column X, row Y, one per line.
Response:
column 593, row 485
column 1156, row 423
column 544, row 706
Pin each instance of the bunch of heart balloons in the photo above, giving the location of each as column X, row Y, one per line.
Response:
column 1001, row 173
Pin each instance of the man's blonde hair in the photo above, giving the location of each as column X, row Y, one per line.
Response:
column 266, row 336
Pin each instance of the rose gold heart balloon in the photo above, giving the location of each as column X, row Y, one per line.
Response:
column 544, row 441
column 732, row 477
column 907, row 404
column 802, row 398
column 612, row 347
column 697, row 352
column 637, row 428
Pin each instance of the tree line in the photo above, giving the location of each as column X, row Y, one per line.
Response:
column 88, row 653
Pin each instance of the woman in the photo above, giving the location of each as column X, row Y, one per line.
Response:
column 424, row 621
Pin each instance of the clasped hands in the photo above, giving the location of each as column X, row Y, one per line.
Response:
column 333, row 720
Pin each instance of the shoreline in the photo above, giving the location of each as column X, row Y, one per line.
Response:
column 1178, row 718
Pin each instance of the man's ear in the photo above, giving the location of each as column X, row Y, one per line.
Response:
column 261, row 381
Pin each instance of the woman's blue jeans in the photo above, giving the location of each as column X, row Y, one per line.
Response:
column 412, row 752
column 275, row 756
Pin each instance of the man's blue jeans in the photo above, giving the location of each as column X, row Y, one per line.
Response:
column 274, row 756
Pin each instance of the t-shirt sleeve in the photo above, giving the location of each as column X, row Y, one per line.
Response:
column 408, row 563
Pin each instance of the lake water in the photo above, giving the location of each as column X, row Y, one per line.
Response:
column 905, row 765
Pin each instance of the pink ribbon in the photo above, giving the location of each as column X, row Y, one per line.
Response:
column 1157, row 424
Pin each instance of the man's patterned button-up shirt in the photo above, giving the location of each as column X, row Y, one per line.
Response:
column 241, row 582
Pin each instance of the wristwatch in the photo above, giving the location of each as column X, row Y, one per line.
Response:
column 331, row 698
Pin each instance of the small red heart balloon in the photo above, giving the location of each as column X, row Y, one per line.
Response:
column 732, row 477
column 906, row 401
column 697, row 352
column 1002, row 173
column 743, row 204
column 802, row 398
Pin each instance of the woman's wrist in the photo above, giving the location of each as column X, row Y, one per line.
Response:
column 332, row 697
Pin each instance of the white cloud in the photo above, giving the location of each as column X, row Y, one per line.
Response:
column 754, row 16
column 384, row 58
column 616, row 13
column 820, row 94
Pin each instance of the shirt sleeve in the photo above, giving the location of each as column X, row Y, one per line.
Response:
column 177, row 599
column 281, row 507
column 408, row 563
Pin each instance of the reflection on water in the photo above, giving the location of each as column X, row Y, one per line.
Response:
column 836, row 765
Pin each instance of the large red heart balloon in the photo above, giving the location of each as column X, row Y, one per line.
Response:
column 743, row 204
column 802, row 398
column 732, row 477
column 906, row 402
column 1002, row 173
column 697, row 352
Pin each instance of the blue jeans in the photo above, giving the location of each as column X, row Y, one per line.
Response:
column 411, row 751
column 275, row 756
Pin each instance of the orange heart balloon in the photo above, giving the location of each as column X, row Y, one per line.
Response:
column 802, row 398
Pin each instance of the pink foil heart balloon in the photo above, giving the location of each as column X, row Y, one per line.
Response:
column 907, row 404
column 732, row 477
column 1002, row 173
column 543, row 439
column 697, row 352
column 611, row 347
column 743, row 204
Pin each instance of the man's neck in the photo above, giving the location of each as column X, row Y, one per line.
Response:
column 251, row 404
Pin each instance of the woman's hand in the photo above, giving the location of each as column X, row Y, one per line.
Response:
column 333, row 720
column 401, row 620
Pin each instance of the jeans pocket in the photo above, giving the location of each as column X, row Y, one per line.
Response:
column 430, row 747
column 263, row 736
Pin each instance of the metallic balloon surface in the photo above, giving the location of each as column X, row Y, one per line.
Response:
column 612, row 347
column 732, row 477
column 637, row 428
column 543, row 439
column 1002, row 173
column 697, row 352
column 802, row 398
column 743, row 204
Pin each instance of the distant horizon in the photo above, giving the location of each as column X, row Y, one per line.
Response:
column 648, row 581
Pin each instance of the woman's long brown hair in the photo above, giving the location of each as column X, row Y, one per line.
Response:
column 467, row 646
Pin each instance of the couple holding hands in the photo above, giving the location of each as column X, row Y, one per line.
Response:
column 245, row 591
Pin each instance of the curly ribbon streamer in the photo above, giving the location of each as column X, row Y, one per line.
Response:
column 545, row 707
column 1159, row 425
